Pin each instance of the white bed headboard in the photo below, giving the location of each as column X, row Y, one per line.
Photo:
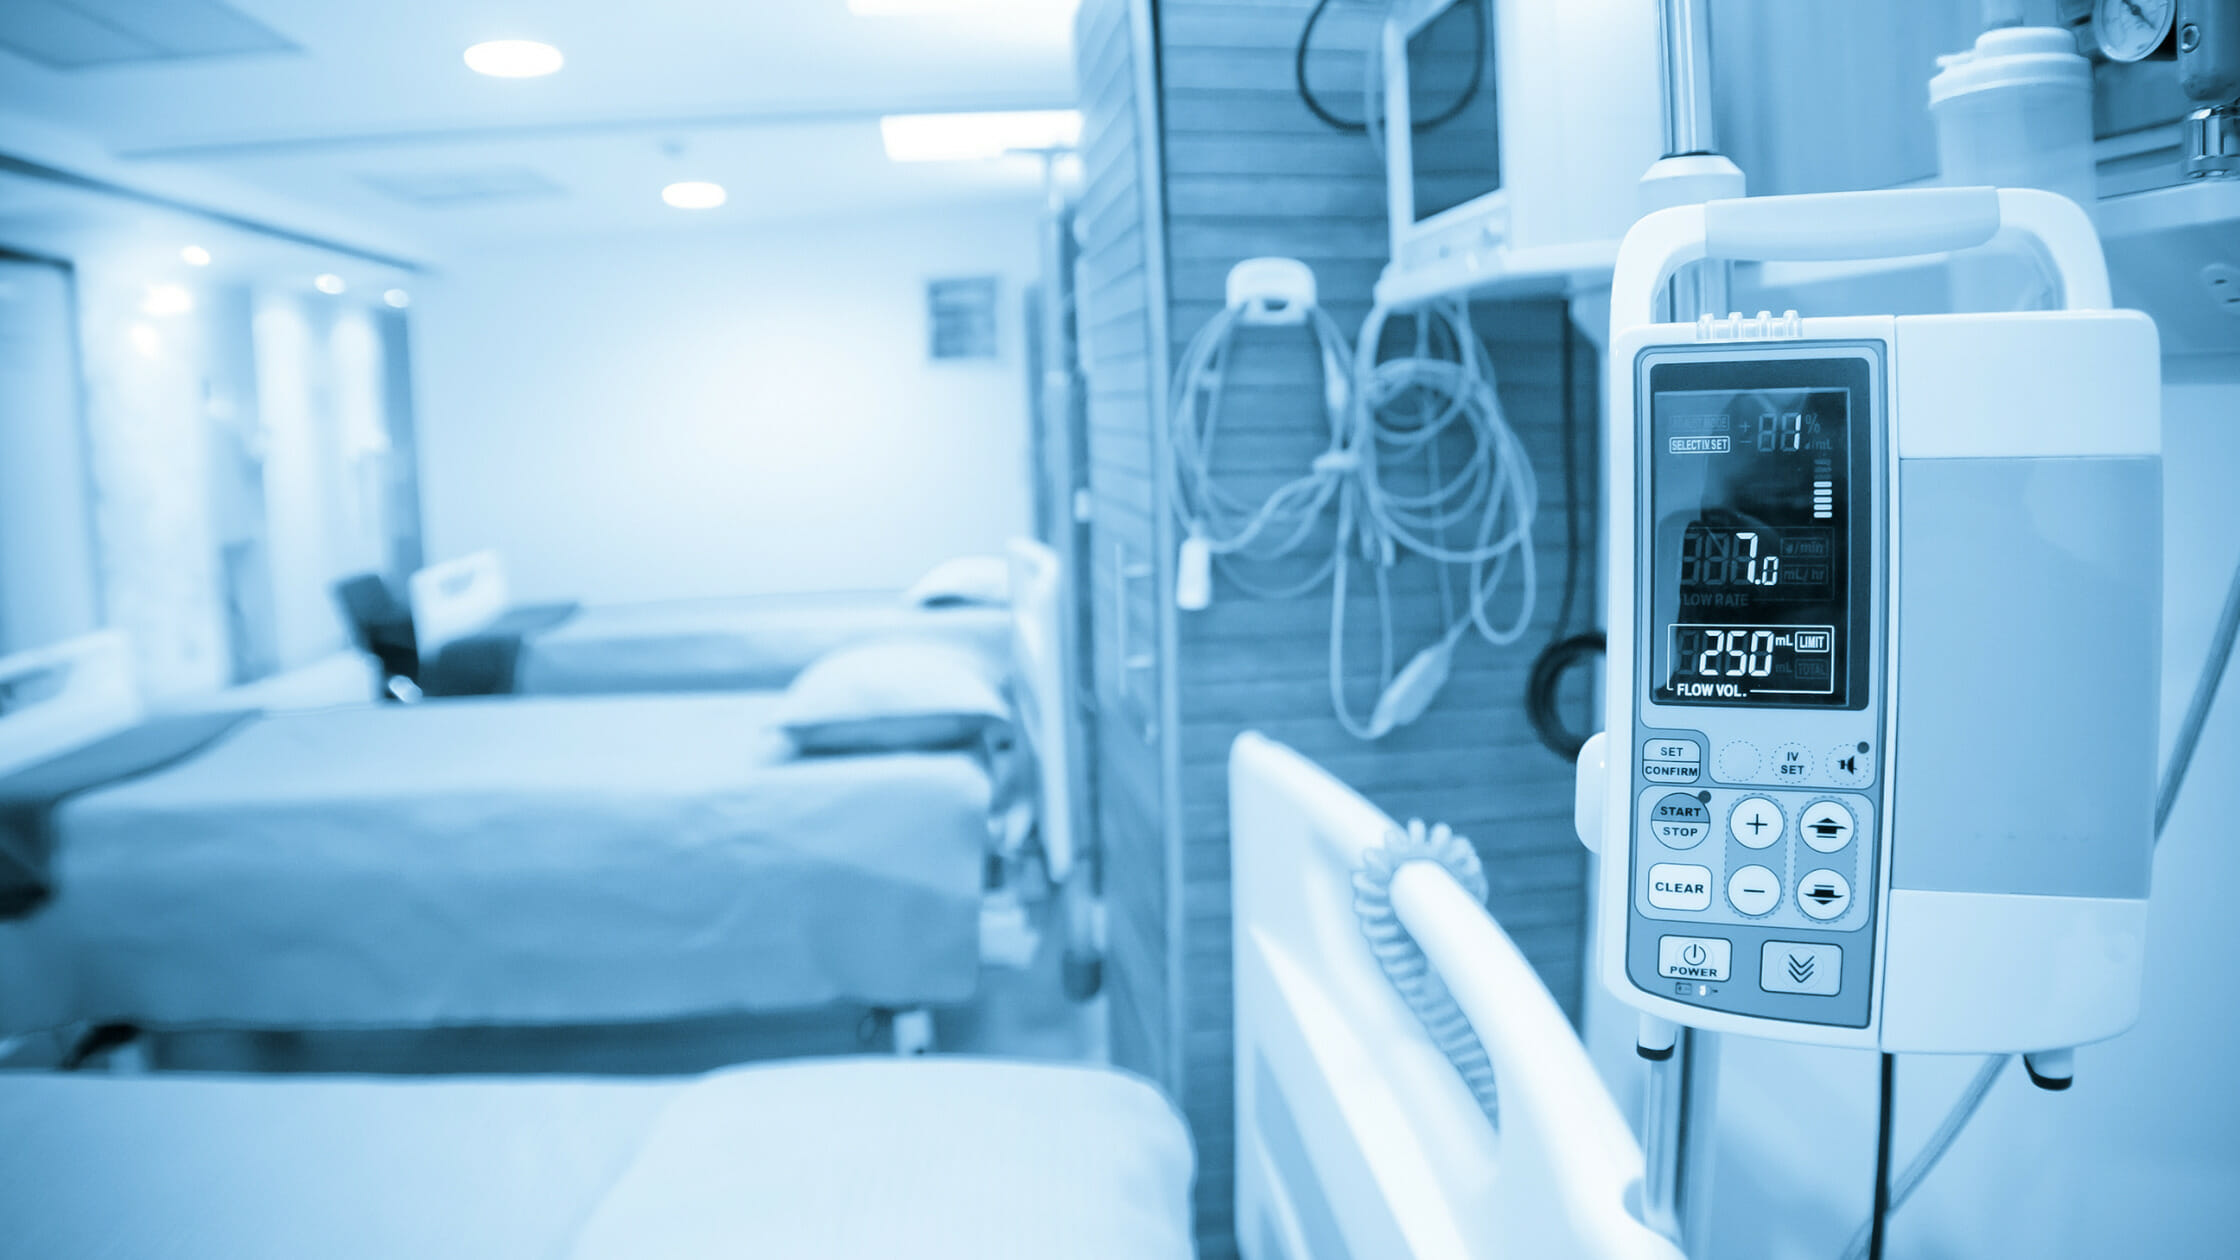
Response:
column 456, row 598
column 1355, row 1137
column 1038, row 605
column 53, row 699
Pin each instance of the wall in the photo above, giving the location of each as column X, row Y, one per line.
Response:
column 722, row 413
column 158, row 552
column 47, row 588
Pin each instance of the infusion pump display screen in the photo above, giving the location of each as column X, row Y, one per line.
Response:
column 1759, row 498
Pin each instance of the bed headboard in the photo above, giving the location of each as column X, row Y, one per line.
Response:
column 456, row 598
column 53, row 699
column 1038, row 606
column 1355, row 1137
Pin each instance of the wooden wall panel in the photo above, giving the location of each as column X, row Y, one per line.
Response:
column 1248, row 171
column 1198, row 153
column 1118, row 294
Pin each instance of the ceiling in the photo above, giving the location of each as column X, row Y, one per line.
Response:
column 365, row 112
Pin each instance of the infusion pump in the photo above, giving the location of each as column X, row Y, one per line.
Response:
column 1884, row 617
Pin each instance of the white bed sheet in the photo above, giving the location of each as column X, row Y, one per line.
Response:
column 726, row 644
column 507, row 861
column 838, row 1160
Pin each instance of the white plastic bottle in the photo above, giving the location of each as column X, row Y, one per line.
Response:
column 2015, row 111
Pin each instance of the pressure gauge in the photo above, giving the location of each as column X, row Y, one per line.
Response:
column 2129, row 30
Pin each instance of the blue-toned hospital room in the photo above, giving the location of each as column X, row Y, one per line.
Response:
column 1119, row 629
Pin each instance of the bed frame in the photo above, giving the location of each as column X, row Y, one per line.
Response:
column 1355, row 1136
column 1041, row 599
column 56, row 698
column 455, row 599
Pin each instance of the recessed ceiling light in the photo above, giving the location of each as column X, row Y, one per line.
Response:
column 167, row 299
column 397, row 298
column 514, row 59
column 695, row 194
column 195, row 256
column 963, row 137
column 328, row 283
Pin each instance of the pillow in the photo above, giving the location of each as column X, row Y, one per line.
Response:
column 964, row 580
column 893, row 694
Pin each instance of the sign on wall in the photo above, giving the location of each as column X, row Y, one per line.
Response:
column 961, row 317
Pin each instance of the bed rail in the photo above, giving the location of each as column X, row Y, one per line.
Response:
column 1041, row 599
column 1355, row 1136
column 1038, row 601
column 456, row 598
column 53, row 699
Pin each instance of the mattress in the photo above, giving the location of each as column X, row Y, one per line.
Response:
column 707, row 645
column 506, row 862
column 832, row 1159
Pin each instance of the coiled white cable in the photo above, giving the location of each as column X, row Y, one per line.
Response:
column 1385, row 416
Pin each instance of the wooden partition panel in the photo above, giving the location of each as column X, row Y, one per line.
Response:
column 1242, row 169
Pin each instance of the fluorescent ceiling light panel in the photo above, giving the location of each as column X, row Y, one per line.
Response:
column 514, row 59
column 923, row 8
column 966, row 137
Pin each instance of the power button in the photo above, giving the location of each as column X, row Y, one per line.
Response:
column 1694, row 957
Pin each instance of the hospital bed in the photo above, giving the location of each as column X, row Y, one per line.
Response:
column 473, row 640
column 1355, row 1135
column 1357, row 1138
column 837, row 1159
column 491, row 862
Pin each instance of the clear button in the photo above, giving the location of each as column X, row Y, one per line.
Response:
column 1673, row 887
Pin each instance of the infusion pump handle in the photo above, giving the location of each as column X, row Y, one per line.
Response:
column 1833, row 227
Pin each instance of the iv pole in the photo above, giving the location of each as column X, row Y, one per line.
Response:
column 1679, row 1094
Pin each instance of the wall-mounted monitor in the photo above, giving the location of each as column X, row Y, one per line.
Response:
column 1516, row 136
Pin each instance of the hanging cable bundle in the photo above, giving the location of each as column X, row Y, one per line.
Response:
column 1419, row 460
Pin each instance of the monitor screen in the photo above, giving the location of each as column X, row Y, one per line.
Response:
column 1457, row 158
column 1759, row 498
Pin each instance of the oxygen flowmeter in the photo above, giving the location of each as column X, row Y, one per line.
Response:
column 1884, row 624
